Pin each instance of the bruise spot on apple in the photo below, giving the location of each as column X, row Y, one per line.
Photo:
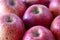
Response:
column 6, row 38
column 35, row 34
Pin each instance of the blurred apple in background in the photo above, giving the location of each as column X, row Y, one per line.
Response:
column 38, row 33
column 12, row 6
column 11, row 27
column 55, row 27
column 30, row 2
column 54, row 7
column 37, row 15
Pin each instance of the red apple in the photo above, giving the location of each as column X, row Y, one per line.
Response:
column 38, row 33
column 54, row 7
column 30, row 2
column 11, row 27
column 12, row 6
column 37, row 15
column 55, row 27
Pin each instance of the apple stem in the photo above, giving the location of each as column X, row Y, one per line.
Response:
column 36, row 11
column 11, row 3
column 9, row 19
column 36, row 34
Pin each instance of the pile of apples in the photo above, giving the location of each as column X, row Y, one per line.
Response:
column 29, row 20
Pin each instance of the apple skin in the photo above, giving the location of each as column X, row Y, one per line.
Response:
column 11, row 27
column 37, row 15
column 38, row 33
column 55, row 27
column 31, row 2
column 54, row 7
column 12, row 6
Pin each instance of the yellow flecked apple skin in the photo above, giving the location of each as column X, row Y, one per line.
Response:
column 11, row 27
column 12, row 6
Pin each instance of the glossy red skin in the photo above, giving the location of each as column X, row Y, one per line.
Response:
column 13, row 30
column 54, row 7
column 30, row 2
column 18, row 8
column 44, row 34
column 55, row 27
column 44, row 18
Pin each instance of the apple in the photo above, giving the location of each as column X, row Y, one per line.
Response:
column 54, row 7
column 38, row 33
column 31, row 2
column 55, row 27
column 12, row 6
column 11, row 27
column 37, row 15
